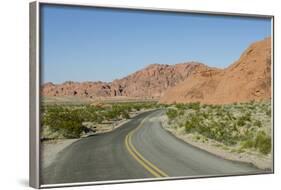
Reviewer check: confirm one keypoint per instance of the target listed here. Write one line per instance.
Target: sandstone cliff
(249, 78)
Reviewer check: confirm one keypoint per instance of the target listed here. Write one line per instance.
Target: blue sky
(95, 44)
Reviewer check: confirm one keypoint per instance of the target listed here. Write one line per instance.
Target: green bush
(263, 143)
(188, 126)
(67, 122)
(194, 106)
(125, 115)
(172, 113)
(268, 112)
(181, 112)
(258, 123)
(247, 116)
(229, 115)
(192, 123)
(228, 124)
(241, 122)
(180, 106)
(248, 144)
(243, 119)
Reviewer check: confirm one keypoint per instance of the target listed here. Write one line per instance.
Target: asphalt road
(139, 149)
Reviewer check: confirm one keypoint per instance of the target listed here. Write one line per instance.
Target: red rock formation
(247, 79)
(69, 88)
(154, 80)
(150, 82)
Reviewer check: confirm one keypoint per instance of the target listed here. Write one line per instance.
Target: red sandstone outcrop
(247, 79)
(150, 82)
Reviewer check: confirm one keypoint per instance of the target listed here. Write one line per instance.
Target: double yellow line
(139, 158)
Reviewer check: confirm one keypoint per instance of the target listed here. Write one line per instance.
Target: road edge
(265, 169)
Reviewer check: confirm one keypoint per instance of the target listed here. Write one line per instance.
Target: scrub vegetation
(239, 127)
(72, 121)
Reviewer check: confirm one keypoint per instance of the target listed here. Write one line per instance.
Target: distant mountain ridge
(150, 82)
(249, 78)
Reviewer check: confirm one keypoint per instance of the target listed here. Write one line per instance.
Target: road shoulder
(50, 150)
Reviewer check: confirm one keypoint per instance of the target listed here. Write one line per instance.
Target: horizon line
(148, 65)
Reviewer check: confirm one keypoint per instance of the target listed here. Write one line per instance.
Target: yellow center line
(140, 161)
(155, 171)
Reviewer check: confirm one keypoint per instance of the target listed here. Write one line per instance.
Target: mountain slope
(150, 82)
(247, 79)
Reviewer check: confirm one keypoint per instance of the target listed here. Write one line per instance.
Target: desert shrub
(137, 107)
(180, 106)
(248, 144)
(241, 122)
(204, 105)
(268, 112)
(258, 123)
(172, 113)
(194, 106)
(65, 121)
(112, 114)
(192, 123)
(205, 115)
(181, 112)
(188, 126)
(247, 116)
(219, 112)
(263, 142)
(229, 115)
(125, 115)
(243, 119)
(228, 124)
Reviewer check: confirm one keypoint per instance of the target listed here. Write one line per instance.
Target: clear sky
(91, 44)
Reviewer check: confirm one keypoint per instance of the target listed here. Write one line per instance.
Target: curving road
(139, 149)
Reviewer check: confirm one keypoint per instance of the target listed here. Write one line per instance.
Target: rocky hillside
(249, 78)
(150, 82)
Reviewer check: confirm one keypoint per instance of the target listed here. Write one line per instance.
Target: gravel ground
(50, 149)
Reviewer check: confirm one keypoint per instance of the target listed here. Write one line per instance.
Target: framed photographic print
(130, 94)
